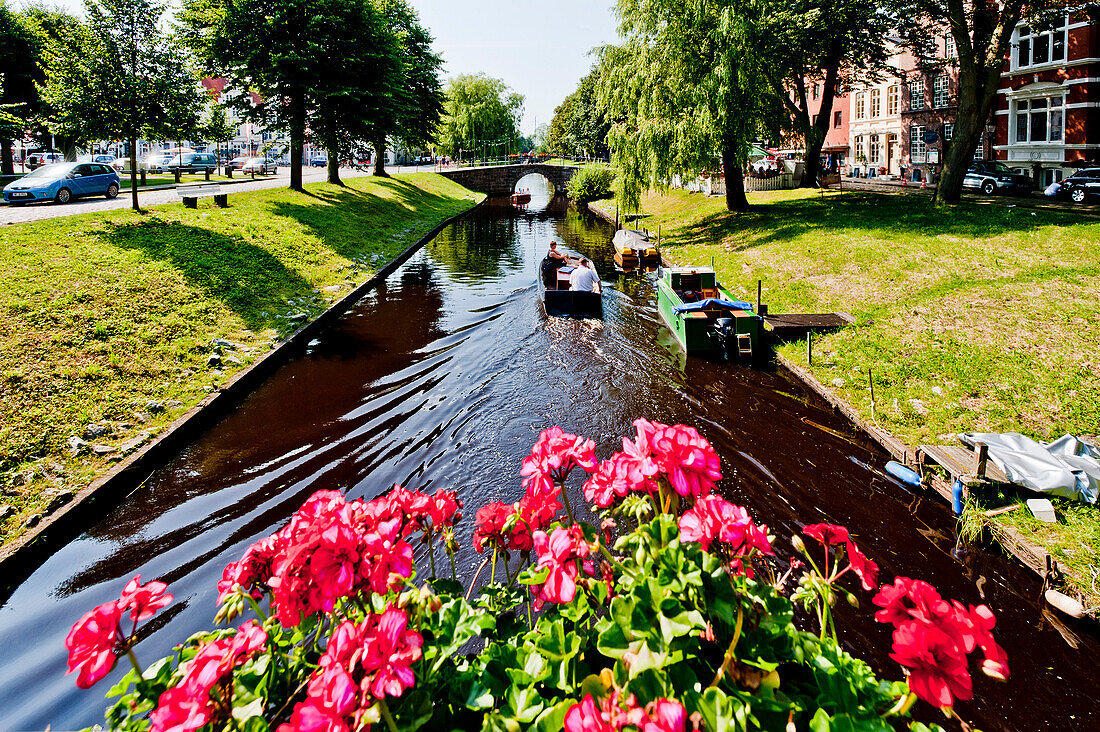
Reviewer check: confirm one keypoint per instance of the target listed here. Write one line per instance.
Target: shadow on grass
(247, 278)
(887, 217)
(354, 218)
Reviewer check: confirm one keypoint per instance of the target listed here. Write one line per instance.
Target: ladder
(744, 345)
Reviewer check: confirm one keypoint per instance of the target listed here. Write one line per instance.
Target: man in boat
(584, 278)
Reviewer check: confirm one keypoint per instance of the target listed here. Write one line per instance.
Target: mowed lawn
(977, 318)
(103, 313)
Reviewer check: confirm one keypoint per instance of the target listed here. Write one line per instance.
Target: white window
(950, 48)
(859, 148)
(916, 144)
(1040, 46)
(876, 103)
(1050, 175)
(873, 150)
(817, 90)
(892, 100)
(979, 151)
(1039, 120)
(948, 132)
(916, 94)
(941, 96)
(861, 105)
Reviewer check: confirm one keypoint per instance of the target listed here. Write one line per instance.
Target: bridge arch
(501, 180)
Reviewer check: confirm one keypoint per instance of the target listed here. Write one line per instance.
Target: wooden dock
(789, 326)
(960, 461)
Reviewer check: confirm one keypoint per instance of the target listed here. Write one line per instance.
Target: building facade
(1047, 113)
(836, 150)
(875, 130)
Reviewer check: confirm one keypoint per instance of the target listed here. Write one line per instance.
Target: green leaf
(553, 719)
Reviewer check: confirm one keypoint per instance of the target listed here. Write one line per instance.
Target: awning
(712, 302)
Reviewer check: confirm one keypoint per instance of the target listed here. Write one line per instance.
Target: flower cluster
(333, 548)
(553, 457)
(362, 664)
(188, 705)
(932, 638)
(612, 713)
(96, 640)
(678, 452)
(715, 520)
(831, 535)
(559, 553)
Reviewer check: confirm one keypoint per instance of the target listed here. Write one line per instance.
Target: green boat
(705, 318)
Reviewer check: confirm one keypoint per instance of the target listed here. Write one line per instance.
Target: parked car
(238, 162)
(151, 163)
(1077, 187)
(191, 163)
(63, 182)
(100, 158)
(991, 176)
(318, 161)
(263, 166)
(38, 159)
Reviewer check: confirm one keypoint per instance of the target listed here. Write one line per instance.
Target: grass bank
(981, 318)
(121, 321)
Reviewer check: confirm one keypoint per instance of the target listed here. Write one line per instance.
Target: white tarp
(1066, 467)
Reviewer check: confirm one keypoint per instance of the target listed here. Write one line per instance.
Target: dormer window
(1035, 47)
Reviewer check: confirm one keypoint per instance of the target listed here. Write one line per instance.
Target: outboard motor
(723, 332)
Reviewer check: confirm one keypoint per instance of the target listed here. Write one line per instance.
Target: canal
(443, 377)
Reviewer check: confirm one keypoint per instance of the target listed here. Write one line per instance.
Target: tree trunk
(380, 159)
(816, 140)
(7, 161)
(333, 163)
(133, 174)
(735, 181)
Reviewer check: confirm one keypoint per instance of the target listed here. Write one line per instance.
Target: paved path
(37, 211)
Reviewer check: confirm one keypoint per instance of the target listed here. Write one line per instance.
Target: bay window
(1036, 46)
(1039, 119)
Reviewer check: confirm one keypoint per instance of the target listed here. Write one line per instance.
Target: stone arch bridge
(500, 180)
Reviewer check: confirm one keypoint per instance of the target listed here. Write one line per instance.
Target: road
(38, 211)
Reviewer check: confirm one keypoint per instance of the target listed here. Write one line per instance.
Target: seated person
(584, 278)
(557, 258)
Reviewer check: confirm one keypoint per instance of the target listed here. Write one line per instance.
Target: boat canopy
(713, 302)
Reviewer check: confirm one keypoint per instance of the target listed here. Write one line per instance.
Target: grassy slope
(102, 313)
(987, 316)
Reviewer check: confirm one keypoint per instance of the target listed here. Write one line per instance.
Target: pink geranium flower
(553, 457)
(94, 642)
(489, 525)
(587, 716)
(936, 663)
(827, 534)
(685, 457)
(865, 569)
(559, 552)
(179, 710)
(143, 601)
(713, 520)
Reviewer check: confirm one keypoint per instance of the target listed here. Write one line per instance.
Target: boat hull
(565, 302)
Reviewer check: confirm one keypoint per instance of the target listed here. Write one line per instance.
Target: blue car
(62, 182)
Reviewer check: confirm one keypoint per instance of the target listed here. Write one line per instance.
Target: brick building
(1047, 113)
(835, 150)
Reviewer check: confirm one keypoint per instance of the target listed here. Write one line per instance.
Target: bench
(192, 193)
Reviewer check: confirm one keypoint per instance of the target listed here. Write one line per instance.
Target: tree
(821, 42)
(580, 122)
(684, 89)
(18, 73)
(479, 111)
(125, 79)
(53, 33)
(416, 103)
(983, 32)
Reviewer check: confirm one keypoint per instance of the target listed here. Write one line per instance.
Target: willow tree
(478, 108)
(685, 88)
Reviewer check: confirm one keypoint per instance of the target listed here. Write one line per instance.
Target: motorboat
(704, 317)
(558, 299)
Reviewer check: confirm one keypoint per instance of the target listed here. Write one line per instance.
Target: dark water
(443, 377)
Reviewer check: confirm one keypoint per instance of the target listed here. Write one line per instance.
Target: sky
(538, 47)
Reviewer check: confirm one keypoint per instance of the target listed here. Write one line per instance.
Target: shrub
(680, 621)
(590, 183)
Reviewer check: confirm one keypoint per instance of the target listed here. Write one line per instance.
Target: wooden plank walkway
(959, 461)
(794, 325)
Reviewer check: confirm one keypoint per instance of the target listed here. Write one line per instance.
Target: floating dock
(791, 326)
